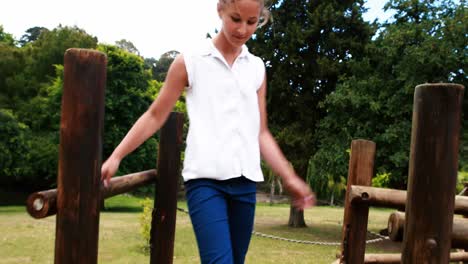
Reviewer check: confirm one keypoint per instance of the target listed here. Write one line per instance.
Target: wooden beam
(390, 198)
(44, 203)
(432, 173)
(360, 171)
(79, 173)
(382, 258)
(459, 234)
(396, 258)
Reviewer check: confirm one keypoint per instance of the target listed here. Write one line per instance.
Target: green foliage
(375, 99)
(43, 159)
(461, 180)
(31, 79)
(160, 67)
(48, 50)
(145, 221)
(129, 91)
(31, 35)
(381, 180)
(6, 38)
(13, 146)
(127, 46)
(305, 48)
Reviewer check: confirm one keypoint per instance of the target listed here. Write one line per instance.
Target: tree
(6, 38)
(127, 46)
(375, 100)
(13, 146)
(32, 34)
(129, 93)
(306, 48)
(12, 61)
(49, 48)
(161, 66)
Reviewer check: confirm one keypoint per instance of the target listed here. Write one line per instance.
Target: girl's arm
(302, 195)
(152, 120)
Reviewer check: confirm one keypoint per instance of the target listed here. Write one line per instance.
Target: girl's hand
(108, 169)
(302, 195)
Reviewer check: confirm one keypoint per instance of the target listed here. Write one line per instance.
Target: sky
(154, 27)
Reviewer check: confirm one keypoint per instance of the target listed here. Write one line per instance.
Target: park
(76, 201)
(382, 143)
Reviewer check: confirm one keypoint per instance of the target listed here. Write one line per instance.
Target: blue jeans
(222, 214)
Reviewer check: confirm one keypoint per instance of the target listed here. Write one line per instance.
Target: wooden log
(378, 197)
(165, 203)
(382, 258)
(360, 171)
(390, 198)
(79, 173)
(44, 203)
(396, 258)
(459, 235)
(433, 172)
(396, 225)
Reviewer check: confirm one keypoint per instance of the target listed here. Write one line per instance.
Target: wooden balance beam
(44, 203)
(396, 225)
(390, 198)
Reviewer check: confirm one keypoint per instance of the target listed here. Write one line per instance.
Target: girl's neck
(226, 49)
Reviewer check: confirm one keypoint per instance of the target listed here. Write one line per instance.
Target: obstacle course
(430, 201)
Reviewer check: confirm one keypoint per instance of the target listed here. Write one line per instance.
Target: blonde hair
(264, 14)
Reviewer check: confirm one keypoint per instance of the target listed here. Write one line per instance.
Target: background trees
(30, 101)
(332, 77)
(375, 99)
(306, 48)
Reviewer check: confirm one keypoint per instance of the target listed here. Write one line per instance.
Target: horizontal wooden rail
(390, 198)
(396, 225)
(44, 203)
(396, 258)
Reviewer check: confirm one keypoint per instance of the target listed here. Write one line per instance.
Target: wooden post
(165, 202)
(360, 171)
(432, 173)
(79, 172)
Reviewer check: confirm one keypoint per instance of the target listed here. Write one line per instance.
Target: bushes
(145, 222)
(14, 147)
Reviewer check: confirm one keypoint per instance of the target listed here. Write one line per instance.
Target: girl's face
(240, 20)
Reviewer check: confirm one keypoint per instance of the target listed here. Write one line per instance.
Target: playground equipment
(430, 202)
(79, 194)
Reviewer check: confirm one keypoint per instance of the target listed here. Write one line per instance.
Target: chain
(183, 210)
(296, 240)
(375, 240)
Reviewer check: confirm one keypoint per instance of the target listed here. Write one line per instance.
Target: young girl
(228, 131)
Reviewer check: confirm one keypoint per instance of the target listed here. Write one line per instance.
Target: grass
(27, 240)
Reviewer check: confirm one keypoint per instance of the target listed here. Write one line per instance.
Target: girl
(228, 131)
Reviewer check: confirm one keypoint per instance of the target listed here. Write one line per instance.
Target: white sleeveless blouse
(224, 118)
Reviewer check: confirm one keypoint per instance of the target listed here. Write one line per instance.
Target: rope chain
(259, 234)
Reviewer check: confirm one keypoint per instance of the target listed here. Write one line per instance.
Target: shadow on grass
(122, 209)
(11, 198)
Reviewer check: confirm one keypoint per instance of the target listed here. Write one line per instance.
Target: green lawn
(27, 240)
